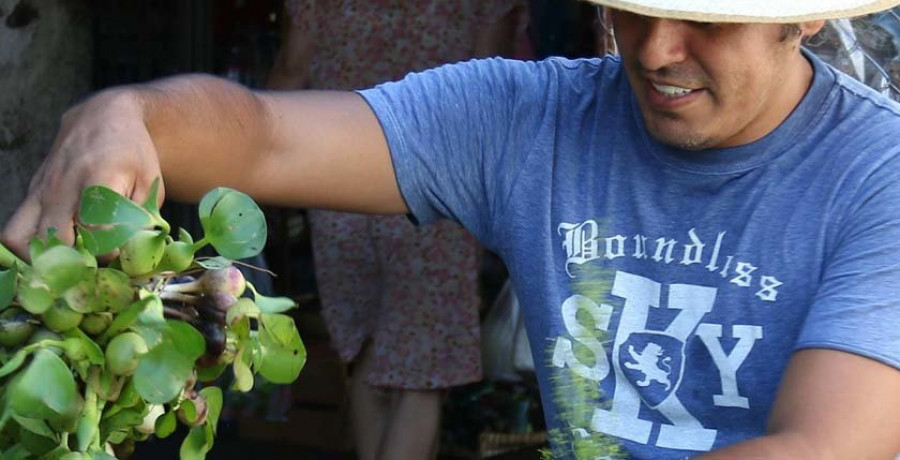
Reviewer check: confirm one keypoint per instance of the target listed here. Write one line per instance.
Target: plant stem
(176, 313)
(10, 260)
(88, 433)
(200, 244)
(177, 296)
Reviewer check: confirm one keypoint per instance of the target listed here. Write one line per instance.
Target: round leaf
(162, 373)
(46, 389)
(165, 425)
(34, 295)
(189, 341)
(109, 219)
(61, 267)
(233, 223)
(283, 353)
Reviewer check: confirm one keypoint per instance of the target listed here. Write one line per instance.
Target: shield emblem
(653, 362)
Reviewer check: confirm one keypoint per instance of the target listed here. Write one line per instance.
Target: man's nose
(664, 43)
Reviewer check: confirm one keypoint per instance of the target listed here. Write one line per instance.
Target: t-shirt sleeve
(459, 134)
(857, 308)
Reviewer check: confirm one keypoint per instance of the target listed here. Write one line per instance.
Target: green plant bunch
(96, 357)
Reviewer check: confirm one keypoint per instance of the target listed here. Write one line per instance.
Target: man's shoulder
(858, 96)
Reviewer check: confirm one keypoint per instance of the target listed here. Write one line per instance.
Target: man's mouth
(671, 91)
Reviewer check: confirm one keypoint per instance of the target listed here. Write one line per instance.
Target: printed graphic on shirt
(648, 366)
(583, 243)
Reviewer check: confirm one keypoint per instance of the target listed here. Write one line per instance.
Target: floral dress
(411, 291)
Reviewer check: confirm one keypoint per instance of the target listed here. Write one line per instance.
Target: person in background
(401, 302)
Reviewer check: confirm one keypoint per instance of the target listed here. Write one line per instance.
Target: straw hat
(774, 11)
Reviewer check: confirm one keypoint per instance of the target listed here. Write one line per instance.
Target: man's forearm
(207, 132)
(773, 446)
(298, 149)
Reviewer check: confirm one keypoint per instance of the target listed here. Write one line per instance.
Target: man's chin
(682, 140)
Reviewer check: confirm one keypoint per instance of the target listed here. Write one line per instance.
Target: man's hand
(102, 141)
(296, 149)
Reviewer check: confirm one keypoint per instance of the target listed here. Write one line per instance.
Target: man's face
(704, 85)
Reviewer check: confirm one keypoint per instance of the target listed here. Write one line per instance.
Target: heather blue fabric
(676, 283)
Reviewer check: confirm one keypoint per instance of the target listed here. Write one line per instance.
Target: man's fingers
(22, 226)
(61, 217)
(141, 191)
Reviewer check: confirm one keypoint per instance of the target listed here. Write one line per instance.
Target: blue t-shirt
(663, 290)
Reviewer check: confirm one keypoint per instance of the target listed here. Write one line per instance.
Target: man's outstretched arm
(309, 149)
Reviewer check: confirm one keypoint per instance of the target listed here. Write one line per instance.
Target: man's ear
(808, 29)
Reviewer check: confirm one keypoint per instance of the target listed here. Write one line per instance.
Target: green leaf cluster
(95, 358)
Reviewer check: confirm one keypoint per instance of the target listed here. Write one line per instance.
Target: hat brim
(750, 11)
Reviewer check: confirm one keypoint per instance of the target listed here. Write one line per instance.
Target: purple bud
(228, 280)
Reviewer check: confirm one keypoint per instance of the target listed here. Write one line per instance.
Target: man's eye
(701, 25)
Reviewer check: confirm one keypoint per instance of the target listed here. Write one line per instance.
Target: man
(703, 234)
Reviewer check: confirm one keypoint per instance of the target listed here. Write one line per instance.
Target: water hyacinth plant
(94, 358)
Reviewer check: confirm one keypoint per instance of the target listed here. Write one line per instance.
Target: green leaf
(16, 452)
(165, 425)
(45, 389)
(82, 297)
(187, 339)
(243, 308)
(232, 223)
(154, 312)
(195, 445)
(126, 418)
(243, 376)
(153, 198)
(213, 263)
(128, 397)
(164, 370)
(92, 350)
(8, 282)
(118, 437)
(14, 363)
(185, 236)
(101, 455)
(109, 219)
(214, 402)
(188, 412)
(34, 295)
(10, 260)
(34, 425)
(208, 374)
(60, 268)
(114, 289)
(126, 318)
(283, 354)
(37, 444)
(273, 304)
(38, 245)
(57, 453)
